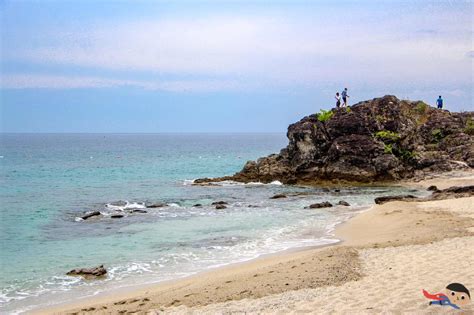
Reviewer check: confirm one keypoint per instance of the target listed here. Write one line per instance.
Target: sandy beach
(388, 254)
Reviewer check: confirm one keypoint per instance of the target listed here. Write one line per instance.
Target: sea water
(49, 181)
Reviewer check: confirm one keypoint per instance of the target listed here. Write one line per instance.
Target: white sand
(394, 278)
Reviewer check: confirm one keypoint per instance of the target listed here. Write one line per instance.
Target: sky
(223, 66)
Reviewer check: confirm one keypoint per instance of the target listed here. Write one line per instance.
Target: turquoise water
(49, 180)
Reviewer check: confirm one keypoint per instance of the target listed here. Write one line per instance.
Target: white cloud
(67, 82)
(412, 47)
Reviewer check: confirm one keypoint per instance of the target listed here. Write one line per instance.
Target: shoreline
(283, 271)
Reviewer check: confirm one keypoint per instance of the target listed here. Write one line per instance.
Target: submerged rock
(96, 272)
(117, 216)
(278, 196)
(157, 205)
(90, 215)
(382, 139)
(219, 203)
(343, 203)
(197, 205)
(138, 211)
(220, 207)
(325, 204)
(384, 199)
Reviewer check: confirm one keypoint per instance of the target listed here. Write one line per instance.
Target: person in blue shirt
(439, 102)
(344, 97)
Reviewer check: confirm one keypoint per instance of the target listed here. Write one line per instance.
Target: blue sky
(222, 66)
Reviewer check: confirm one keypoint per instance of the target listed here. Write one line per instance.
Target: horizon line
(148, 133)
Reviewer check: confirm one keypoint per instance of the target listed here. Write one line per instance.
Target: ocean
(48, 181)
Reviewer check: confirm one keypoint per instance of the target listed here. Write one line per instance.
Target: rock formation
(383, 139)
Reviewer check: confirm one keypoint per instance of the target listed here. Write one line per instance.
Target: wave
(188, 182)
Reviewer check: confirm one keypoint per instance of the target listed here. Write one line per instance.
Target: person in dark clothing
(338, 100)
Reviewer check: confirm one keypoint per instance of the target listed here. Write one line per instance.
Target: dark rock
(96, 272)
(220, 206)
(117, 216)
(219, 203)
(324, 204)
(90, 215)
(453, 192)
(381, 200)
(156, 205)
(278, 196)
(383, 139)
(343, 203)
(197, 205)
(337, 190)
(432, 188)
(138, 211)
(253, 206)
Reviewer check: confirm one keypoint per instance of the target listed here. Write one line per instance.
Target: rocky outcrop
(92, 273)
(383, 139)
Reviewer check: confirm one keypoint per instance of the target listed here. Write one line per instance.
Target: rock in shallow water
(138, 211)
(156, 205)
(90, 215)
(384, 199)
(325, 204)
(117, 216)
(432, 188)
(219, 203)
(278, 196)
(91, 273)
(220, 207)
(343, 203)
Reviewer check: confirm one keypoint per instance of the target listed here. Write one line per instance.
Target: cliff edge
(383, 139)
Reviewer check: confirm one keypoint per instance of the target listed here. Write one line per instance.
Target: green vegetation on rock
(421, 108)
(325, 115)
(379, 118)
(437, 134)
(387, 148)
(469, 127)
(406, 154)
(387, 135)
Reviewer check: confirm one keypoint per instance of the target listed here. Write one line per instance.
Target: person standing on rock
(338, 100)
(344, 97)
(439, 102)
